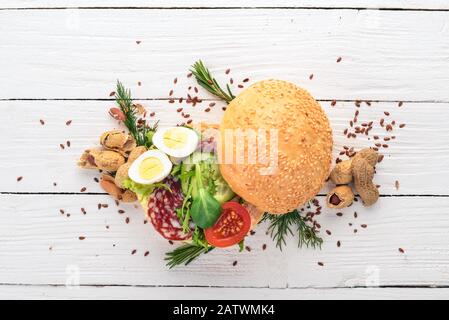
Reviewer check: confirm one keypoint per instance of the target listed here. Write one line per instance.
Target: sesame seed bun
(304, 146)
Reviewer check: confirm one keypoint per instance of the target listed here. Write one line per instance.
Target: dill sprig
(205, 79)
(283, 225)
(185, 254)
(137, 127)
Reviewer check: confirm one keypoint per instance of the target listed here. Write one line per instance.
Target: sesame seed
(42, 122)
(81, 237)
(68, 122)
(19, 178)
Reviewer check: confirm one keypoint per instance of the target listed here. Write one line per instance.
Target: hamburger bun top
(304, 146)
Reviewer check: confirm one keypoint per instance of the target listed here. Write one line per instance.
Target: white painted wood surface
(178, 293)
(387, 55)
(361, 4)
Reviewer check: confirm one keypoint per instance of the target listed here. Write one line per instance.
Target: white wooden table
(59, 60)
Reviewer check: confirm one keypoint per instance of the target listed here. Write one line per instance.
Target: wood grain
(39, 245)
(386, 55)
(175, 293)
(401, 4)
(416, 158)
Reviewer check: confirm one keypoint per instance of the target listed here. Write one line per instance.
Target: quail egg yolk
(150, 168)
(175, 139)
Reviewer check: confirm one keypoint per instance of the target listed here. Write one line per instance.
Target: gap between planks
(217, 100)
(229, 8)
(94, 285)
(318, 195)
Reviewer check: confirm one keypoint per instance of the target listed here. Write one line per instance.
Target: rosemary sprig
(205, 79)
(281, 226)
(185, 254)
(137, 127)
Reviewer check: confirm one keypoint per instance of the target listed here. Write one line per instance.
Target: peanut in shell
(340, 197)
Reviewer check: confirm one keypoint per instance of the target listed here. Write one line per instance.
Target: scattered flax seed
(121, 211)
(83, 189)
(245, 80)
(338, 59)
(189, 121)
(139, 83)
(81, 237)
(364, 226)
(211, 104)
(61, 146)
(99, 206)
(146, 253)
(264, 246)
(68, 215)
(400, 103)
(179, 110)
(240, 86)
(234, 263)
(339, 214)
(152, 114)
(333, 103)
(127, 220)
(96, 179)
(19, 178)
(224, 108)
(248, 249)
(61, 211)
(189, 74)
(104, 205)
(401, 250)
(227, 71)
(355, 215)
(380, 158)
(138, 41)
(175, 81)
(42, 122)
(231, 81)
(396, 184)
(207, 109)
(311, 77)
(402, 125)
(68, 143)
(321, 264)
(112, 93)
(355, 230)
(83, 211)
(252, 232)
(68, 122)
(117, 202)
(170, 93)
(134, 251)
(328, 232)
(339, 243)
(386, 113)
(55, 184)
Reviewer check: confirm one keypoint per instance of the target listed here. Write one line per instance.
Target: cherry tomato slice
(231, 227)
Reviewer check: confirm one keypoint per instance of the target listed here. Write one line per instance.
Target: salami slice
(161, 210)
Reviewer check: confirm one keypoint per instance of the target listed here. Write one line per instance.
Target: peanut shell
(344, 194)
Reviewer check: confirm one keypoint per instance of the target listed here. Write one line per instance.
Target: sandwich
(208, 186)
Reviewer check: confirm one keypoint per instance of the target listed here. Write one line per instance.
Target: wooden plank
(386, 55)
(404, 4)
(31, 224)
(169, 293)
(416, 158)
